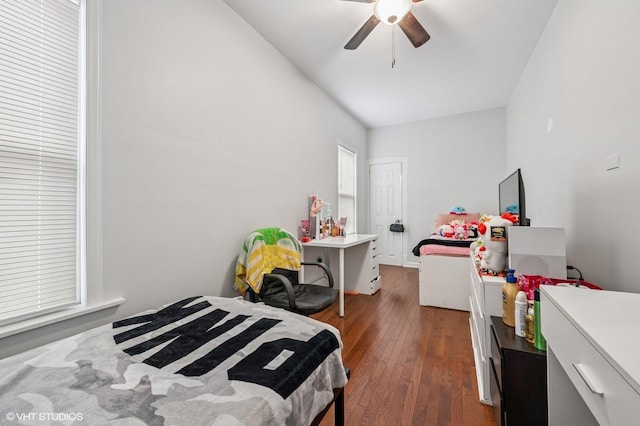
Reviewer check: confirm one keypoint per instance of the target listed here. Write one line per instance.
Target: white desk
(592, 356)
(340, 243)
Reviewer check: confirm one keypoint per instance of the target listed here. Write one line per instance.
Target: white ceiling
(477, 51)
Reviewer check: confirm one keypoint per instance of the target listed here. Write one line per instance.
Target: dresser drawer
(376, 283)
(610, 398)
(373, 252)
(478, 328)
(475, 277)
(475, 342)
(496, 358)
(374, 271)
(373, 259)
(373, 246)
(497, 398)
(477, 295)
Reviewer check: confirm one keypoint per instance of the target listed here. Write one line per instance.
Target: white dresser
(593, 356)
(485, 300)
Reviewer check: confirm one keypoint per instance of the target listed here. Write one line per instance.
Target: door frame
(404, 162)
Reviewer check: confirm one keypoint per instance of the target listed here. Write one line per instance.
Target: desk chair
(267, 269)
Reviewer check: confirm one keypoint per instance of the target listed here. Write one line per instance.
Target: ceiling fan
(391, 12)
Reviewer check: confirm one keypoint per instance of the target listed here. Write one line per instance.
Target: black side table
(518, 379)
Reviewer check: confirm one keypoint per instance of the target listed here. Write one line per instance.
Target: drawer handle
(583, 371)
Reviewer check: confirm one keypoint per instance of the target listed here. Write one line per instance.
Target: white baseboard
(409, 265)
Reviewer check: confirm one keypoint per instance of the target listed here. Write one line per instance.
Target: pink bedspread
(444, 250)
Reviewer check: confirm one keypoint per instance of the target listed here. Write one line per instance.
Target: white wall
(455, 160)
(208, 133)
(584, 76)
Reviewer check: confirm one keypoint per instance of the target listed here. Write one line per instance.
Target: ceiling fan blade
(415, 1)
(362, 33)
(415, 32)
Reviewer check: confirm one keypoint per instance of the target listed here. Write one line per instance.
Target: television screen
(511, 196)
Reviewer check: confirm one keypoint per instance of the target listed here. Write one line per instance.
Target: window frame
(89, 229)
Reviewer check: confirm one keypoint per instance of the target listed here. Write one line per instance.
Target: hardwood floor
(410, 364)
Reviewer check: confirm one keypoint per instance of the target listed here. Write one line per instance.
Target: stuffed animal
(484, 218)
(460, 231)
(472, 230)
(513, 209)
(513, 218)
(457, 210)
(445, 230)
(478, 250)
(493, 235)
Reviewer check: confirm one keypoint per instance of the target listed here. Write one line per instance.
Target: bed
(199, 361)
(444, 266)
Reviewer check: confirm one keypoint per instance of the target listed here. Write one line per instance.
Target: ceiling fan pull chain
(393, 46)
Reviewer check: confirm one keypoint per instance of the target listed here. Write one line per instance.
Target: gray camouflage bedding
(200, 361)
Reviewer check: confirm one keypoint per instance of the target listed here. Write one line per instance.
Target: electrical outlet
(613, 161)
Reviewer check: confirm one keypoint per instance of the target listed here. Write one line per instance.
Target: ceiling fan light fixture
(391, 11)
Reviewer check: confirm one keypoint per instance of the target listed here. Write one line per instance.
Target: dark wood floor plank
(410, 364)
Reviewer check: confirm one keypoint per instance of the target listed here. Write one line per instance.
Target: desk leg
(327, 257)
(301, 274)
(341, 278)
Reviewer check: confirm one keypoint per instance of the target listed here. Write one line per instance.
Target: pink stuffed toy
(460, 231)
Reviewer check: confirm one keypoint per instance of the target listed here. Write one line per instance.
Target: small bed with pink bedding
(444, 266)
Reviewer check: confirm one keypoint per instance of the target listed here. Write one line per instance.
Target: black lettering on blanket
(187, 338)
(159, 319)
(306, 357)
(228, 348)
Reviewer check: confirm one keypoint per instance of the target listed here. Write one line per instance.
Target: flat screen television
(511, 197)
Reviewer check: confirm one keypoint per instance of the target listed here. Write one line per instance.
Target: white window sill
(33, 323)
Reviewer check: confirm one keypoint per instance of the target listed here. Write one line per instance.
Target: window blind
(347, 187)
(39, 146)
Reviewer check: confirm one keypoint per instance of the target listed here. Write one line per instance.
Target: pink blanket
(444, 250)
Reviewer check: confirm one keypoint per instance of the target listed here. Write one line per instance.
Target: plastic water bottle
(521, 313)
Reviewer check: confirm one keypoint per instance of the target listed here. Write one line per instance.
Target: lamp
(391, 11)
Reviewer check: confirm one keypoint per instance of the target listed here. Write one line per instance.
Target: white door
(385, 197)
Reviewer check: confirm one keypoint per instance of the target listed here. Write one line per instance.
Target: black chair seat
(309, 298)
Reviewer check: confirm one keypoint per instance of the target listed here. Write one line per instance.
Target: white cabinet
(363, 272)
(443, 282)
(592, 356)
(485, 300)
